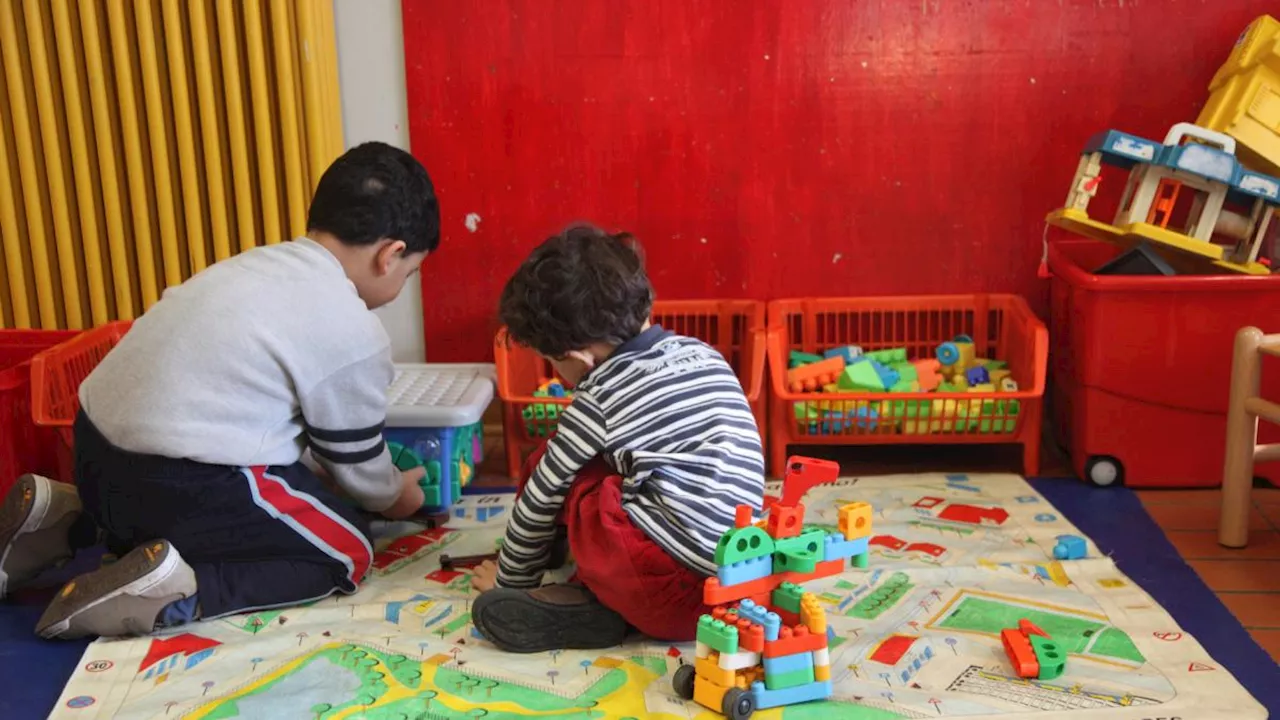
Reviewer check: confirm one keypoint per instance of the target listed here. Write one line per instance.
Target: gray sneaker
(123, 598)
(35, 517)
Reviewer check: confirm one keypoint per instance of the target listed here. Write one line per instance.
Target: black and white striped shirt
(668, 414)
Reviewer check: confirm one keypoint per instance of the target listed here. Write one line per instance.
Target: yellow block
(709, 668)
(854, 520)
(821, 672)
(1244, 97)
(997, 375)
(982, 387)
(812, 615)
(708, 694)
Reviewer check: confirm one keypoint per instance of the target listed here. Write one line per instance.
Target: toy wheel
(738, 704)
(1104, 470)
(948, 353)
(683, 681)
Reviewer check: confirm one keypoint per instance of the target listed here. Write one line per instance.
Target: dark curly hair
(581, 287)
(375, 191)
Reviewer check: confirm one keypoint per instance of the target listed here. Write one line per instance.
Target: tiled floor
(1246, 580)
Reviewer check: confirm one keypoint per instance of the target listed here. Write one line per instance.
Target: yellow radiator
(142, 140)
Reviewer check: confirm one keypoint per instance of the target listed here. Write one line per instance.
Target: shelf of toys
(958, 369)
(532, 397)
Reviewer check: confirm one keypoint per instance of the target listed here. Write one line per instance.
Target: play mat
(955, 559)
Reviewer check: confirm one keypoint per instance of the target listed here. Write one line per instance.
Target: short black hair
(375, 191)
(581, 287)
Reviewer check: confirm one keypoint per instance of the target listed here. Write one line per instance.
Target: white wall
(371, 73)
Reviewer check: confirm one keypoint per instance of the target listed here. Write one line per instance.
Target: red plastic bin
(1141, 367)
(1003, 327)
(24, 447)
(734, 327)
(56, 375)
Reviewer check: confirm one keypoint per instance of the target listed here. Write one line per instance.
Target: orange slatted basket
(56, 375)
(734, 327)
(1003, 328)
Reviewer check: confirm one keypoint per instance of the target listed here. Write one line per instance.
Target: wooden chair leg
(1242, 438)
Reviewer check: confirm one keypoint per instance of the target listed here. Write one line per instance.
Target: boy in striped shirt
(651, 458)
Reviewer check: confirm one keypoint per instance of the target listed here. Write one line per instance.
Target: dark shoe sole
(135, 573)
(518, 623)
(24, 510)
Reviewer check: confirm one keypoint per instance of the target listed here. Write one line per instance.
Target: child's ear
(388, 253)
(587, 359)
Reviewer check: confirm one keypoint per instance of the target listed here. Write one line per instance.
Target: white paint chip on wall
(472, 221)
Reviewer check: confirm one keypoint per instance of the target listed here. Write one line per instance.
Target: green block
(717, 635)
(947, 387)
(402, 457)
(787, 597)
(906, 371)
(994, 364)
(799, 554)
(795, 678)
(797, 358)
(860, 376)
(890, 356)
(1051, 658)
(805, 412)
(740, 544)
(808, 541)
(902, 386)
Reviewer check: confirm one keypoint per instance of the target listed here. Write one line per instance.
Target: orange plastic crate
(1002, 326)
(23, 446)
(734, 327)
(56, 375)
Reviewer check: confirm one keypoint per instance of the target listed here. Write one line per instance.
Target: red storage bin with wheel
(1140, 367)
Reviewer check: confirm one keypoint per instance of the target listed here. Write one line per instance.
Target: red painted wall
(773, 148)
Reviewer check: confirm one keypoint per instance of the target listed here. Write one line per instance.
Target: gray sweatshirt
(248, 363)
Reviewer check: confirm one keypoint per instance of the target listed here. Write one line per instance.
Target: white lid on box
(439, 394)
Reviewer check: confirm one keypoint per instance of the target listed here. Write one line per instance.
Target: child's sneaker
(552, 617)
(35, 520)
(123, 598)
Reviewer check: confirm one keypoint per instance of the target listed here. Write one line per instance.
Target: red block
(794, 640)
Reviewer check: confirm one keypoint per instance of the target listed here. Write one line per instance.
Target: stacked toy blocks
(765, 642)
(1032, 652)
(541, 418)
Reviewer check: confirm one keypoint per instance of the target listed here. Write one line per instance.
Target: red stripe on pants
(619, 564)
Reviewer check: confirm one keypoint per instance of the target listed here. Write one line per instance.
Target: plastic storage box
(734, 327)
(1141, 367)
(24, 447)
(434, 419)
(1002, 327)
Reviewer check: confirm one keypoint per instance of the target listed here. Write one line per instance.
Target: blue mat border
(33, 672)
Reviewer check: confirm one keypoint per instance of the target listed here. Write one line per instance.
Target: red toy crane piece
(802, 475)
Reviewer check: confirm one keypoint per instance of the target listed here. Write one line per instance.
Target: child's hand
(411, 497)
(485, 576)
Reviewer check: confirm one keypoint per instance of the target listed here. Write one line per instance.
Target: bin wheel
(682, 682)
(738, 704)
(1104, 470)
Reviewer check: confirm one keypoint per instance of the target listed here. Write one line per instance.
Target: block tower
(765, 642)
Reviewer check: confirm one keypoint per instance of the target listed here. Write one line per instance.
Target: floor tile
(1271, 513)
(1179, 497)
(1266, 496)
(1203, 545)
(1200, 516)
(1269, 640)
(1239, 575)
(1253, 610)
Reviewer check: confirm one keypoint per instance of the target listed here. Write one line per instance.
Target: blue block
(850, 353)
(888, 376)
(977, 375)
(745, 571)
(760, 615)
(555, 390)
(1070, 547)
(788, 663)
(868, 418)
(837, 548)
(766, 698)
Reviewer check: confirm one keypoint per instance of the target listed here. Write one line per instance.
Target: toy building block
(977, 375)
(717, 634)
(750, 637)
(956, 353)
(812, 615)
(1008, 384)
(794, 678)
(993, 365)
(793, 640)
(888, 356)
(808, 542)
(784, 522)
(960, 381)
(760, 615)
(740, 660)
(1028, 628)
(781, 664)
(822, 673)
(850, 353)
(701, 649)
(809, 378)
(1070, 547)
(928, 373)
(787, 597)
(839, 548)
(982, 388)
(854, 520)
(796, 359)
(1018, 648)
(766, 698)
(744, 543)
(745, 571)
(822, 657)
(803, 474)
(1051, 659)
(708, 668)
(708, 694)
(861, 376)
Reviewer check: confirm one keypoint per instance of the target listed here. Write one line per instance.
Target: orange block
(795, 640)
(928, 374)
(1021, 656)
(750, 637)
(785, 521)
(821, 672)
(1029, 628)
(811, 378)
(708, 668)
